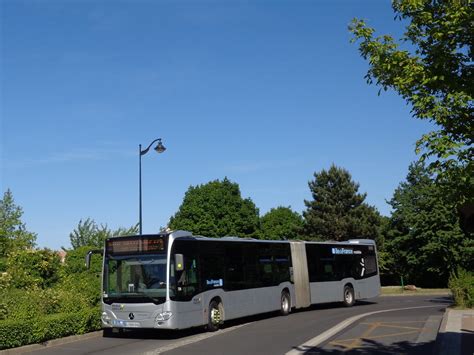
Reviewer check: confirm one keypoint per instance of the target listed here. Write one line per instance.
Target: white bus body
(177, 280)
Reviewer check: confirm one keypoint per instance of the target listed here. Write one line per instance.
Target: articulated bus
(176, 280)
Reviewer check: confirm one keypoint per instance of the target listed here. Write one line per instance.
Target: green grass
(398, 291)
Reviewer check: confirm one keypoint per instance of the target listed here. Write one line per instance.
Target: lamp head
(160, 148)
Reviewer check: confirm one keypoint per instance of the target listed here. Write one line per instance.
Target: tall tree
(338, 211)
(89, 233)
(217, 209)
(13, 233)
(280, 223)
(434, 74)
(425, 241)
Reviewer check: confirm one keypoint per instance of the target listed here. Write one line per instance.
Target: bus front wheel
(111, 332)
(349, 297)
(285, 303)
(215, 316)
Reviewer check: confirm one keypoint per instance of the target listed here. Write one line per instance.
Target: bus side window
(265, 270)
(370, 262)
(234, 273)
(250, 265)
(370, 265)
(212, 265)
(282, 263)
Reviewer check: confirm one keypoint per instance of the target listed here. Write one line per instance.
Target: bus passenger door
(188, 293)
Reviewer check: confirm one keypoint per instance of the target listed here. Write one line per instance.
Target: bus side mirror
(179, 262)
(89, 255)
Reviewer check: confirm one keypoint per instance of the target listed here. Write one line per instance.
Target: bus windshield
(137, 278)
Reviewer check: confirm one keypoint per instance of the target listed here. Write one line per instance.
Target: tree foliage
(425, 241)
(434, 74)
(337, 211)
(89, 233)
(217, 209)
(33, 268)
(13, 233)
(74, 262)
(280, 223)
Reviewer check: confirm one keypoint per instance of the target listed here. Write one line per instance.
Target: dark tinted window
(212, 255)
(369, 261)
(252, 265)
(282, 262)
(234, 267)
(229, 265)
(334, 262)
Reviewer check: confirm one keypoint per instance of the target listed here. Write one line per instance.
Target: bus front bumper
(132, 317)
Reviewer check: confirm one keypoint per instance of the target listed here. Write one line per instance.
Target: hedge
(15, 333)
(462, 287)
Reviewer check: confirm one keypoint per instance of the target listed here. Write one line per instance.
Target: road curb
(50, 343)
(441, 331)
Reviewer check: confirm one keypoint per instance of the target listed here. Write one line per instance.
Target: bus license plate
(122, 323)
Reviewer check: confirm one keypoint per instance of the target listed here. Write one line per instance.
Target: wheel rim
(215, 316)
(285, 304)
(348, 296)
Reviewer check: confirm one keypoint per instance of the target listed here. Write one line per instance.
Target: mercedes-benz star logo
(131, 316)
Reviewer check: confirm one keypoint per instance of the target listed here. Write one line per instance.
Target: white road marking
(192, 339)
(303, 348)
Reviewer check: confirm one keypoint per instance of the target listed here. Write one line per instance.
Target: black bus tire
(215, 316)
(348, 296)
(108, 333)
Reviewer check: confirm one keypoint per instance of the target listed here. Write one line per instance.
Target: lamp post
(160, 148)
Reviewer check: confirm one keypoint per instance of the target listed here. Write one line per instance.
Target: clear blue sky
(263, 92)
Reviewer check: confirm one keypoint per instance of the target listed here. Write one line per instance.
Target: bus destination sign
(135, 245)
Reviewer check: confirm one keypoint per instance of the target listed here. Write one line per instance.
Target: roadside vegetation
(428, 240)
(41, 296)
(462, 287)
(398, 290)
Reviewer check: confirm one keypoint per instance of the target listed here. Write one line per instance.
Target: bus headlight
(105, 318)
(163, 316)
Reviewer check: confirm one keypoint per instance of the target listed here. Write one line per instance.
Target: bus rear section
(343, 271)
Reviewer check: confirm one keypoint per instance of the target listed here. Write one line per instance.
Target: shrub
(462, 287)
(75, 262)
(73, 294)
(29, 268)
(78, 291)
(15, 333)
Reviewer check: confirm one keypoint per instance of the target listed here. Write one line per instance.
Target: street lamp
(160, 148)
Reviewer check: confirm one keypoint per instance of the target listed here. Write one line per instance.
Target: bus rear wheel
(349, 297)
(285, 303)
(215, 316)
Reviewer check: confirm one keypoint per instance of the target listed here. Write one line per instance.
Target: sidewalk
(456, 333)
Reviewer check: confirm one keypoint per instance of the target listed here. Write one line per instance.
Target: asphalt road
(411, 331)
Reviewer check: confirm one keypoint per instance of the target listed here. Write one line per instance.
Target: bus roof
(181, 234)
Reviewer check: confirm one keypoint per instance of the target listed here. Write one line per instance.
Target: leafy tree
(89, 233)
(13, 233)
(425, 240)
(30, 268)
(434, 74)
(337, 211)
(216, 209)
(280, 223)
(74, 262)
